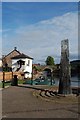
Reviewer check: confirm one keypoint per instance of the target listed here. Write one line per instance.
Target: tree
(49, 60)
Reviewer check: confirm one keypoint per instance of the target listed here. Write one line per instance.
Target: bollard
(14, 81)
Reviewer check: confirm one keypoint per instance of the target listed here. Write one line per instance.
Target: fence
(7, 76)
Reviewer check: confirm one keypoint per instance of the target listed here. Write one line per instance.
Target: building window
(28, 63)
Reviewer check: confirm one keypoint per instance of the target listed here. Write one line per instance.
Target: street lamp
(51, 76)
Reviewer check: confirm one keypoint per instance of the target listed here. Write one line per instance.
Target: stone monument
(64, 83)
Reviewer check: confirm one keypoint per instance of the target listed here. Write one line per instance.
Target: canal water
(75, 81)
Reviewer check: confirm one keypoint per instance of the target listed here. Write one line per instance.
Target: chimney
(15, 48)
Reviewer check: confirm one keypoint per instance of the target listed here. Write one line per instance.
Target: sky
(37, 28)
(0, 30)
(40, 0)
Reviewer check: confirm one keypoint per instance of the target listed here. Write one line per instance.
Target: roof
(21, 56)
(36, 64)
(12, 52)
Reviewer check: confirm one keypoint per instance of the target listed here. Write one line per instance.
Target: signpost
(64, 84)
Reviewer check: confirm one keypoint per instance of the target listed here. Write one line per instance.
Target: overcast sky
(37, 29)
(0, 30)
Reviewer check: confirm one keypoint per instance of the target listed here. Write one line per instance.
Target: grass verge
(8, 83)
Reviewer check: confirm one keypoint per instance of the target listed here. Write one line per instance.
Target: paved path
(19, 102)
(0, 104)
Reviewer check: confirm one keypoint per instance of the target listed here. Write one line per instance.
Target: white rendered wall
(27, 68)
(0, 63)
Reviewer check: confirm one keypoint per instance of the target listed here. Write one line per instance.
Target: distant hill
(76, 62)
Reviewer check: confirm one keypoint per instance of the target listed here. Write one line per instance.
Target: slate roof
(12, 52)
(21, 56)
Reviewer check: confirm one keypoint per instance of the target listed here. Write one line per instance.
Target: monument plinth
(65, 83)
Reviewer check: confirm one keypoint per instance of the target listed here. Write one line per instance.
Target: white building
(22, 63)
(0, 62)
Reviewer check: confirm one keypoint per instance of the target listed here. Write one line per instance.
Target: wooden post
(3, 80)
(64, 84)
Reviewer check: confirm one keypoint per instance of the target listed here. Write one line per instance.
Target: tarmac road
(0, 103)
(19, 102)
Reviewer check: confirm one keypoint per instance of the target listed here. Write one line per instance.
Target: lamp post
(32, 77)
(51, 77)
(3, 80)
